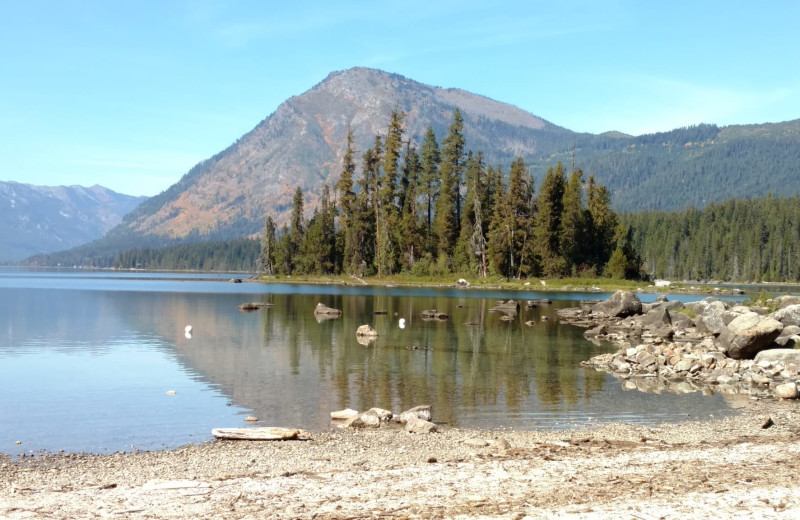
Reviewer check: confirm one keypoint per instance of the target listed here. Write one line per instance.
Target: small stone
(251, 418)
(476, 442)
(767, 423)
(501, 444)
(420, 426)
(343, 415)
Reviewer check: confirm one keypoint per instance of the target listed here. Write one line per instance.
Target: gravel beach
(743, 466)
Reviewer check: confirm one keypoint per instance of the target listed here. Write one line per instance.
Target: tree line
(439, 209)
(230, 255)
(736, 240)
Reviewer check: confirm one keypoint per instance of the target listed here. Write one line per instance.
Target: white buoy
(188, 328)
(402, 323)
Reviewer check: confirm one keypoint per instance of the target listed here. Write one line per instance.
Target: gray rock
(345, 414)
(420, 426)
(790, 330)
(748, 335)
(789, 315)
(327, 311)
(783, 355)
(787, 300)
(621, 304)
(418, 412)
(362, 420)
(600, 330)
(500, 444)
(380, 413)
(366, 331)
(656, 318)
(712, 320)
(786, 391)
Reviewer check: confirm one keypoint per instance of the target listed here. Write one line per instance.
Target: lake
(99, 361)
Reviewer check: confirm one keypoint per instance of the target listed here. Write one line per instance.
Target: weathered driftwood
(266, 433)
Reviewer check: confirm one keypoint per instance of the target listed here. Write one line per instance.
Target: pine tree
(573, 231)
(548, 222)
(387, 212)
(410, 238)
(602, 223)
(466, 258)
(448, 206)
(510, 233)
(347, 200)
(266, 259)
(429, 181)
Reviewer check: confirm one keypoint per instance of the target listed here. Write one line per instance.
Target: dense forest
(736, 240)
(229, 255)
(442, 210)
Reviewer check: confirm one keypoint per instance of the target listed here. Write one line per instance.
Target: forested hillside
(736, 240)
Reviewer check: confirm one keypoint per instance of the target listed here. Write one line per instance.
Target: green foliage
(736, 240)
(232, 255)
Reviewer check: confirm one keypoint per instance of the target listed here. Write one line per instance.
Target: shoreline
(720, 467)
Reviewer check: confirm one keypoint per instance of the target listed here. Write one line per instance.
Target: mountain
(39, 219)
(303, 141)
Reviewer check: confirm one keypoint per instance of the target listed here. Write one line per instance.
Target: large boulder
(621, 305)
(789, 315)
(657, 318)
(782, 355)
(712, 318)
(748, 335)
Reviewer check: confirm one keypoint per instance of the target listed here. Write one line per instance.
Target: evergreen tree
(573, 232)
(387, 212)
(347, 200)
(466, 259)
(410, 237)
(602, 223)
(429, 180)
(625, 261)
(448, 206)
(510, 234)
(266, 258)
(550, 207)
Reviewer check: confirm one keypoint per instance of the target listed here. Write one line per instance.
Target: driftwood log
(266, 433)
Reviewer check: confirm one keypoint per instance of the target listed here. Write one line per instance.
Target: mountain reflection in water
(103, 360)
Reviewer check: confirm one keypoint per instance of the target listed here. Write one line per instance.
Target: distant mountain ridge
(303, 141)
(40, 219)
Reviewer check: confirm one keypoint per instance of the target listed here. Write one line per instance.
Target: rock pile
(706, 345)
(416, 420)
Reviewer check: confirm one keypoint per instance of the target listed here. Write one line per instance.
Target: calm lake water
(87, 360)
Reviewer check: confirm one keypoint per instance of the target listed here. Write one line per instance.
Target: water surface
(87, 360)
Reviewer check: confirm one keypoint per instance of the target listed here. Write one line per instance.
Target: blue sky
(131, 95)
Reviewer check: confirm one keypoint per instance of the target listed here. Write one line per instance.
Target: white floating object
(188, 335)
(170, 392)
(402, 323)
(188, 329)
